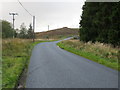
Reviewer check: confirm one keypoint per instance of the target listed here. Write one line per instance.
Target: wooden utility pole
(13, 21)
(48, 27)
(33, 28)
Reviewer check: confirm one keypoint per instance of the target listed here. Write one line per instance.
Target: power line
(24, 8)
(33, 20)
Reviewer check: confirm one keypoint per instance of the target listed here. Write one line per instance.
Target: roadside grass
(15, 57)
(0, 73)
(0, 63)
(101, 53)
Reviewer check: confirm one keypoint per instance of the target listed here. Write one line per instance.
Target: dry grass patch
(102, 53)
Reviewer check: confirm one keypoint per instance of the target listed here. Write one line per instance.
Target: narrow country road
(52, 67)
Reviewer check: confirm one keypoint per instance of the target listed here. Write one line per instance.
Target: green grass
(0, 73)
(90, 52)
(15, 57)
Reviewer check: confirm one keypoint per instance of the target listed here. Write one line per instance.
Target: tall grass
(15, 57)
(0, 63)
(102, 53)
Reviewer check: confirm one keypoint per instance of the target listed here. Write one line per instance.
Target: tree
(100, 22)
(87, 31)
(16, 33)
(30, 32)
(7, 31)
(23, 31)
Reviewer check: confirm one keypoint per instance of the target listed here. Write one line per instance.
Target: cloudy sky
(56, 14)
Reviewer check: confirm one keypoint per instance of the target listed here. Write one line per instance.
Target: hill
(57, 33)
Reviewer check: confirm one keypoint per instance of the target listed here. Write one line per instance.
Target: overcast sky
(55, 14)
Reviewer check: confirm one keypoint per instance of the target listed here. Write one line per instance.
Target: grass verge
(15, 57)
(101, 53)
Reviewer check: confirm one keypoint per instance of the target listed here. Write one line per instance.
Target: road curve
(52, 67)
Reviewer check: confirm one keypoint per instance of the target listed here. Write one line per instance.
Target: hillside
(57, 33)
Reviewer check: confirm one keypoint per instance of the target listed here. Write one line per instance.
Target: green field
(15, 58)
(98, 52)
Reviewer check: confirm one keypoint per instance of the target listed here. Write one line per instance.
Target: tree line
(8, 32)
(100, 21)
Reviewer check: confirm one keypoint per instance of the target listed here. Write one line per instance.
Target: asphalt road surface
(52, 67)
